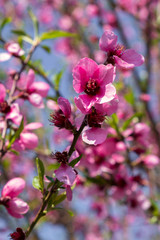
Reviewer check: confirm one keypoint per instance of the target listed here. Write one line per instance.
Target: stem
(76, 136)
(55, 187)
(40, 212)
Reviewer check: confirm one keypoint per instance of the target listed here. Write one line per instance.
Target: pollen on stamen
(92, 87)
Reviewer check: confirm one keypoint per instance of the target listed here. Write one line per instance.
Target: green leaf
(53, 166)
(71, 213)
(4, 23)
(130, 97)
(41, 171)
(46, 48)
(14, 151)
(36, 183)
(129, 120)
(75, 161)
(26, 39)
(60, 198)
(19, 32)
(16, 135)
(50, 179)
(56, 34)
(35, 22)
(57, 79)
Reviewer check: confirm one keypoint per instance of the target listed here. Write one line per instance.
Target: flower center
(59, 120)
(95, 120)
(4, 107)
(60, 157)
(92, 87)
(118, 51)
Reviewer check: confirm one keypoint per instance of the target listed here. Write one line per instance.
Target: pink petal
(106, 74)
(52, 105)
(79, 79)
(83, 71)
(94, 136)
(66, 174)
(33, 126)
(107, 108)
(13, 187)
(14, 48)
(65, 106)
(30, 140)
(17, 207)
(132, 57)
(41, 88)
(151, 161)
(2, 92)
(110, 93)
(79, 103)
(14, 114)
(69, 193)
(108, 41)
(123, 64)
(36, 100)
(88, 101)
(30, 78)
(4, 57)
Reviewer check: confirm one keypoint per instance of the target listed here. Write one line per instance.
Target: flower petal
(30, 78)
(88, 101)
(30, 140)
(79, 103)
(65, 106)
(94, 136)
(110, 93)
(132, 57)
(66, 174)
(123, 64)
(69, 193)
(33, 126)
(107, 108)
(17, 207)
(13, 187)
(4, 57)
(41, 88)
(82, 72)
(108, 41)
(36, 100)
(2, 92)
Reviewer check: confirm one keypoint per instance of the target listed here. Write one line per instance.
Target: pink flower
(11, 111)
(33, 91)
(67, 175)
(95, 81)
(117, 55)
(93, 133)
(27, 139)
(151, 161)
(62, 117)
(18, 235)
(12, 49)
(16, 207)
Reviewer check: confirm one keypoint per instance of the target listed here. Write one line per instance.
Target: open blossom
(16, 207)
(12, 111)
(67, 175)
(93, 133)
(27, 139)
(12, 49)
(117, 54)
(95, 81)
(31, 90)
